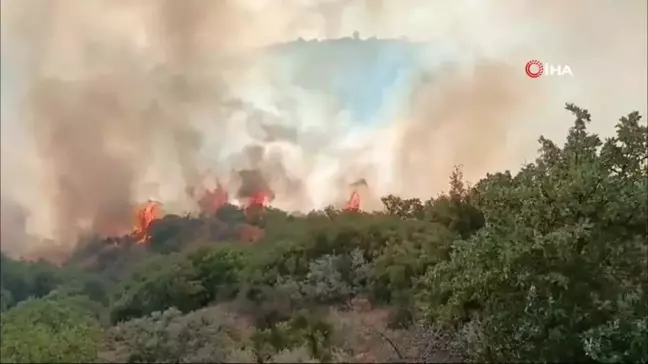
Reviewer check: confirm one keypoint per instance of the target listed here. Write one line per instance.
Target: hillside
(548, 264)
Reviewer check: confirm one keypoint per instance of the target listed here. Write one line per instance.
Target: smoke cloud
(106, 103)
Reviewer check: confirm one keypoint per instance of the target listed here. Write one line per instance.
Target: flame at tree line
(354, 202)
(212, 201)
(144, 217)
(325, 106)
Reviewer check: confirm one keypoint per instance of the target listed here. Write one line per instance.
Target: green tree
(203, 336)
(28, 279)
(6, 300)
(49, 331)
(559, 270)
(219, 269)
(159, 283)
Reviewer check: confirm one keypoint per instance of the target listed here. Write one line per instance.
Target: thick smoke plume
(106, 103)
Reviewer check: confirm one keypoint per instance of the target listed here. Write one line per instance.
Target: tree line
(546, 264)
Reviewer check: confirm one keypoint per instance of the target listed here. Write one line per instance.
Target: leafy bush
(160, 283)
(22, 280)
(49, 331)
(306, 329)
(204, 336)
(219, 270)
(6, 300)
(557, 272)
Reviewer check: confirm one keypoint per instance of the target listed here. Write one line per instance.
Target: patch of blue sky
(369, 79)
(368, 93)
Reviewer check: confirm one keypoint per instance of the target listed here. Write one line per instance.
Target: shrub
(557, 272)
(219, 269)
(204, 336)
(49, 331)
(160, 283)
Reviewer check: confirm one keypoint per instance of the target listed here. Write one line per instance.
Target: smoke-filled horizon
(107, 103)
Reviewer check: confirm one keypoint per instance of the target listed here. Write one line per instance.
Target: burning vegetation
(219, 217)
(341, 283)
(353, 204)
(213, 200)
(113, 94)
(145, 216)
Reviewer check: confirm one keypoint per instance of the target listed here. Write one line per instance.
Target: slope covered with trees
(547, 264)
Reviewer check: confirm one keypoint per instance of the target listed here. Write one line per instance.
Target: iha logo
(535, 69)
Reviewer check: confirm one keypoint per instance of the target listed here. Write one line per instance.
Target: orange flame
(144, 218)
(260, 198)
(212, 201)
(256, 203)
(354, 202)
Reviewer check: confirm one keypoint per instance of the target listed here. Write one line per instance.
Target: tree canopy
(545, 264)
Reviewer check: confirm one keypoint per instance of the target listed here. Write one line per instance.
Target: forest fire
(354, 202)
(213, 200)
(259, 198)
(256, 203)
(255, 200)
(144, 217)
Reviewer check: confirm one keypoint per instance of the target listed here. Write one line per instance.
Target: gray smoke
(106, 103)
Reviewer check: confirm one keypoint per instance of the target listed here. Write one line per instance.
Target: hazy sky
(107, 102)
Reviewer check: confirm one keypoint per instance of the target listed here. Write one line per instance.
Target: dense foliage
(50, 330)
(548, 264)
